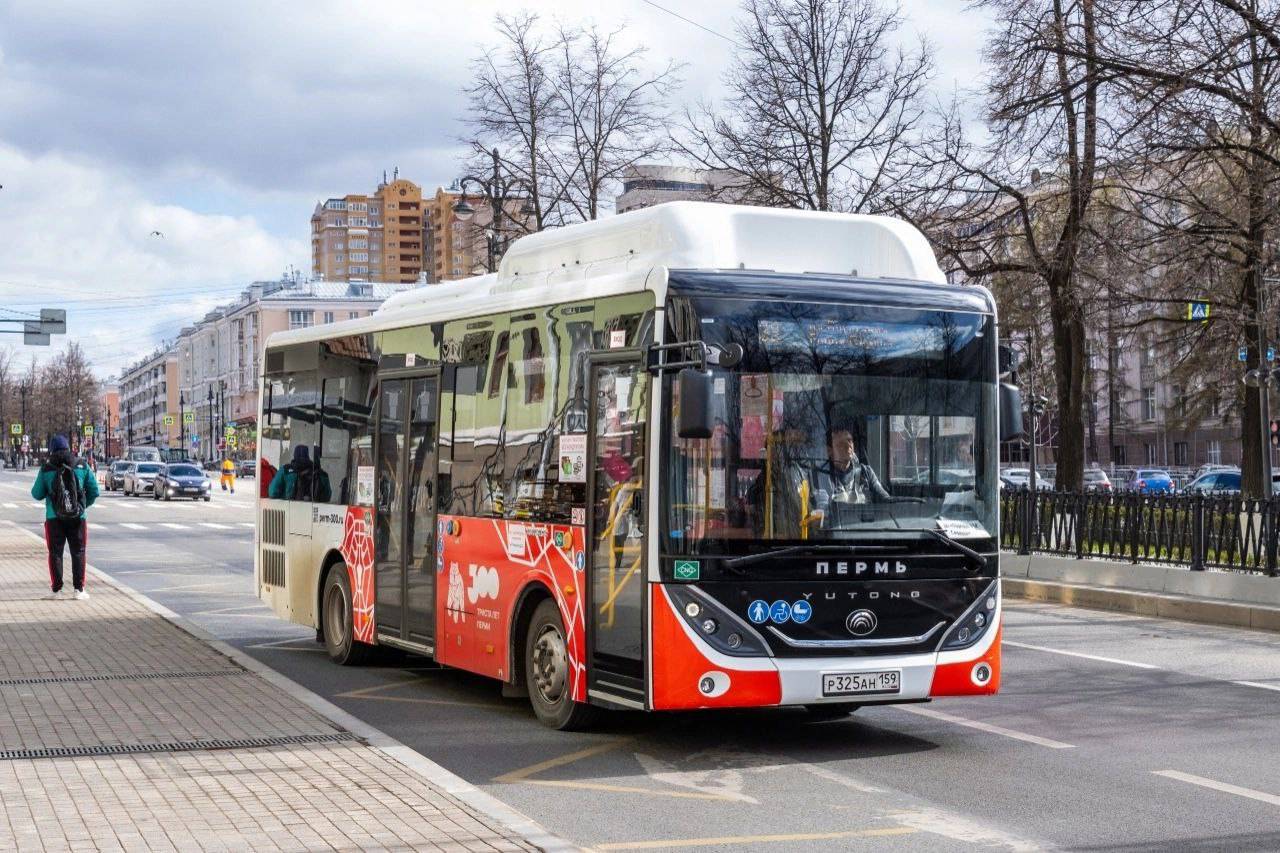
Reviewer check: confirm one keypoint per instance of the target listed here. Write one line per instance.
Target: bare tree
(615, 112)
(823, 110)
(992, 214)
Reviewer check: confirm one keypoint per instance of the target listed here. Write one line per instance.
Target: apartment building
(148, 393)
(647, 184)
(376, 237)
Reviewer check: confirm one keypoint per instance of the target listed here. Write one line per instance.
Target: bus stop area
(121, 729)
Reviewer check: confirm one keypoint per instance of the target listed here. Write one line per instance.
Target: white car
(1020, 478)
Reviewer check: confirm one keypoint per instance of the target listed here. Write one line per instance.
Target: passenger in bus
(300, 480)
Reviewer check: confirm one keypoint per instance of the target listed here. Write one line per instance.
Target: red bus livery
(694, 456)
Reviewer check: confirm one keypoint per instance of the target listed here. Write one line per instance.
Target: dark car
(1216, 483)
(247, 468)
(181, 480)
(115, 475)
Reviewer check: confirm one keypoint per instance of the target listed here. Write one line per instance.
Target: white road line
(986, 727)
(10, 506)
(1258, 684)
(215, 525)
(1080, 655)
(172, 526)
(245, 523)
(1249, 793)
(132, 526)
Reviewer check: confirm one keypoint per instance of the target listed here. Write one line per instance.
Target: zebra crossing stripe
(133, 526)
(172, 526)
(215, 525)
(10, 506)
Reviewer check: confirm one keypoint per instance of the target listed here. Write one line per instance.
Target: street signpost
(88, 429)
(15, 429)
(1198, 311)
(188, 417)
(1243, 354)
(168, 420)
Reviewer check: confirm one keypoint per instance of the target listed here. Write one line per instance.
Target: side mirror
(695, 403)
(1010, 412)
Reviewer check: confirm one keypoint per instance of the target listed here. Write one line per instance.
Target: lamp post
(208, 451)
(222, 408)
(496, 190)
(25, 390)
(182, 421)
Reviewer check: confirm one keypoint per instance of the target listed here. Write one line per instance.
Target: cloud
(80, 238)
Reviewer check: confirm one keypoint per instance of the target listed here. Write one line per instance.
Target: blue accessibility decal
(800, 612)
(758, 612)
(780, 612)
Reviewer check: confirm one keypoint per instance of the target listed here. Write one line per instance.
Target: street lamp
(208, 450)
(182, 421)
(496, 190)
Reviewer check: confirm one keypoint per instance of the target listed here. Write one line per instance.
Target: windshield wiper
(738, 562)
(979, 562)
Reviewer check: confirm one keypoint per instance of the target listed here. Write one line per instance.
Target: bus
(692, 456)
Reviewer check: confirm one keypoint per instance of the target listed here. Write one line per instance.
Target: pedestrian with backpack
(68, 488)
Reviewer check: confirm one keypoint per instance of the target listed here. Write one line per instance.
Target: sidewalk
(119, 730)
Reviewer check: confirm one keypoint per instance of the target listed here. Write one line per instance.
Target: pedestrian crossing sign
(168, 420)
(88, 429)
(230, 431)
(1198, 311)
(188, 417)
(15, 429)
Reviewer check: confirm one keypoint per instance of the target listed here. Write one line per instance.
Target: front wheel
(339, 637)
(547, 673)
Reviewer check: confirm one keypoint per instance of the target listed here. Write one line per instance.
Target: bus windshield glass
(839, 421)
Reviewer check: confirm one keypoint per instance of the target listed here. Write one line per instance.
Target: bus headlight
(975, 622)
(711, 620)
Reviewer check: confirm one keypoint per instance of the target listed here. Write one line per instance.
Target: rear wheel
(547, 673)
(339, 639)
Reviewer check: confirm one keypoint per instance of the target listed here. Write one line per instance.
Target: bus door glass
(405, 495)
(618, 431)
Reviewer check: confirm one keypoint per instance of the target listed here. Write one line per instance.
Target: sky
(221, 124)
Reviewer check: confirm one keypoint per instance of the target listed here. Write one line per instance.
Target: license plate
(861, 683)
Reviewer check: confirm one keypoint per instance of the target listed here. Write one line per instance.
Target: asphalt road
(1112, 732)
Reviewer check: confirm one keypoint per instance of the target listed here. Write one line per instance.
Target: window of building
(359, 256)
(1150, 453)
(1148, 404)
(335, 204)
(1118, 455)
(373, 208)
(338, 244)
(359, 270)
(1180, 454)
(1180, 395)
(358, 205)
(339, 258)
(351, 315)
(359, 244)
(359, 221)
(328, 316)
(1214, 452)
(301, 319)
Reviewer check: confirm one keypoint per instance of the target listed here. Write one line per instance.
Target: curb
(1164, 606)
(451, 783)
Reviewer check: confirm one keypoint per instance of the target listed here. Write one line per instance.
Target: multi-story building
(149, 393)
(110, 439)
(377, 237)
(219, 358)
(458, 247)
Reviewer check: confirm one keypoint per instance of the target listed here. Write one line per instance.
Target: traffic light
(1275, 433)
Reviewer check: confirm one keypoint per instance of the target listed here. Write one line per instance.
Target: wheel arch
(533, 594)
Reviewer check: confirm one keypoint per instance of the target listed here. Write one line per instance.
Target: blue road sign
(801, 611)
(1244, 353)
(780, 612)
(1271, 353)
(758, 612)
(1198, 311)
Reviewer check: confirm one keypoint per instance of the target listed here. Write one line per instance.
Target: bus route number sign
(688, 570)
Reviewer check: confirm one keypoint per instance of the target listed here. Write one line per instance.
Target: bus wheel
(339, 641)
(546, 669)
(837, 711)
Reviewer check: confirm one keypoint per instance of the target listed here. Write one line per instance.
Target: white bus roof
(616, 255)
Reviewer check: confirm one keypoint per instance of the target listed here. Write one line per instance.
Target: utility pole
(182, 421)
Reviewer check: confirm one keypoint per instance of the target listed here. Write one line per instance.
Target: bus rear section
(694, 489)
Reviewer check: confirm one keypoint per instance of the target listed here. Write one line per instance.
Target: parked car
(1150, 481)
(1217, 483)
(1020, 478)
(181, 480)
(1207, 468)
(1096, 480)
(247, 468)
(115, 475)
(141, 477)
(211, 464)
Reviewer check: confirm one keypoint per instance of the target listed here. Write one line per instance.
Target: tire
(835, 711)
(335, 611)
(206, 498)
(546, 670)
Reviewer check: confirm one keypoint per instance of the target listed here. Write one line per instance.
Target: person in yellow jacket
(228, 475)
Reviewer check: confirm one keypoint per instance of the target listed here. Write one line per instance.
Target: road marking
(215, 525)
(132, 526)
(172, 526)
(245, 523)
(10, 506)
(987, 727)
(1099, 658)
(191, 586)
(1248, 793)
(523, 773)
(729, 840)
(629, 789)
(367, 693)
(290, 645)
(1258, 684)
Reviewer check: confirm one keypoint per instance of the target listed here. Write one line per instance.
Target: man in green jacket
(59, 530)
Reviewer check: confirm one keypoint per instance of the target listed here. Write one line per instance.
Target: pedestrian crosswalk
(168, 525)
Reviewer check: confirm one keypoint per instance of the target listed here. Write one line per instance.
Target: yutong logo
(860, 567)
(860, 622)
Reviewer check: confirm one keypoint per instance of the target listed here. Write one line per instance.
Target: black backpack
(302, 490)
(66, 494)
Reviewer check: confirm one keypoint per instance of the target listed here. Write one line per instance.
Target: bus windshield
(840, 421)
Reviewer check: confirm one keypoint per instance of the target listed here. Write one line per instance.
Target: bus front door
(616, 531)
(408, 412)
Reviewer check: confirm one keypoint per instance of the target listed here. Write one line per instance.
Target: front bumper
(689, 673)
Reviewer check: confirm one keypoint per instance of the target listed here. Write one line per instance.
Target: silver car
(141, 477)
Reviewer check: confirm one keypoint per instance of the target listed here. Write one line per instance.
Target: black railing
(1199, 531)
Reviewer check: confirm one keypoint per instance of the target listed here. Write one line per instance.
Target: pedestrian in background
(68, 488)
(228, 475)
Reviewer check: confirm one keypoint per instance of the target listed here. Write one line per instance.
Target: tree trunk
(1069, 364)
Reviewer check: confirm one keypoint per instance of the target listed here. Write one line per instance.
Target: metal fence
(1199, 531)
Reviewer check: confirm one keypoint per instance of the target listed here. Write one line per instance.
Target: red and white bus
(693, 456)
